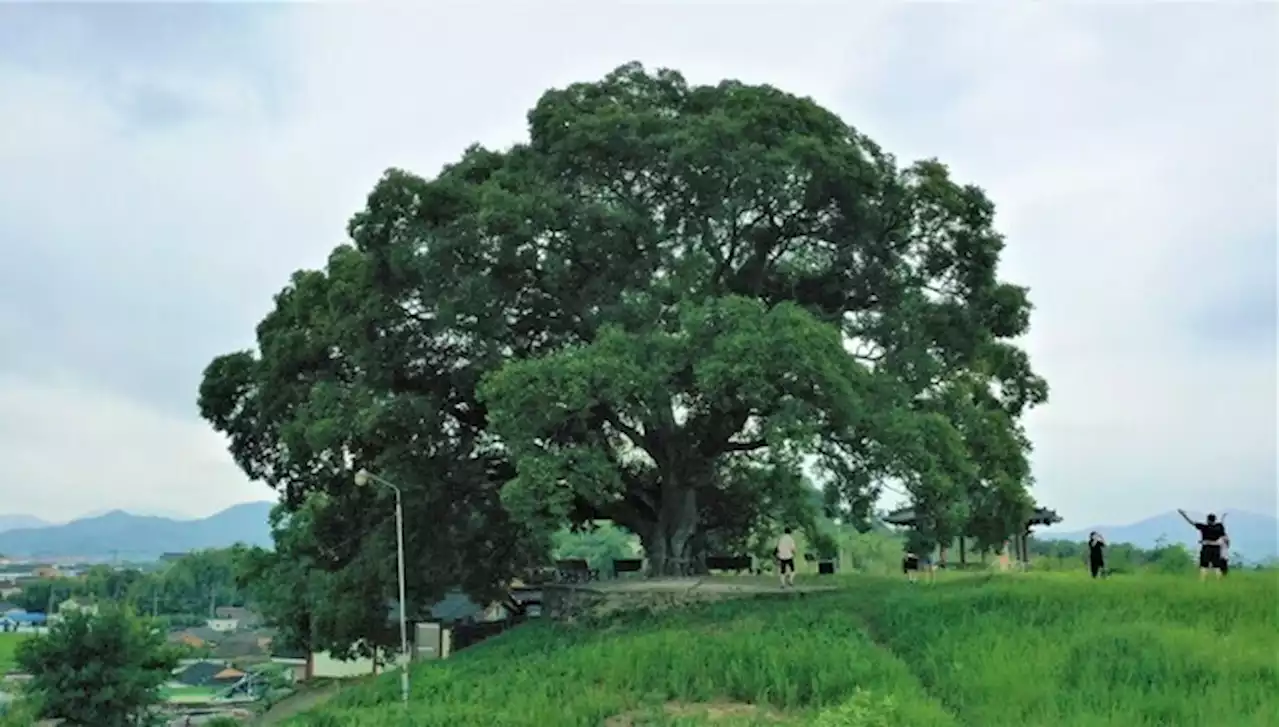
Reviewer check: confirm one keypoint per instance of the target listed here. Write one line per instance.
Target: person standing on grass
(914, 563)
(1212, 534)
(910, 565)
(786, 554)
(1224, 560)
(1097, 558)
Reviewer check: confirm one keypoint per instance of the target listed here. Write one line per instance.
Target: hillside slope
(1009, 651)
(140, 536)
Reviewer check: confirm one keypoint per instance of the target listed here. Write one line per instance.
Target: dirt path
(298, 703)
(746, 585)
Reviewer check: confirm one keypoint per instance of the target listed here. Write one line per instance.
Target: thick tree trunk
(670, 543)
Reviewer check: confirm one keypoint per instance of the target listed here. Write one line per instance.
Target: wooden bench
(736, 563)
(627, 565)
(575, 570)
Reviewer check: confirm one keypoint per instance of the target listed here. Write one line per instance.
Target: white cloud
(70, 449)
(1131, 153)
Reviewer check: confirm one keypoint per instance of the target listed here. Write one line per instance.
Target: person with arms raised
(1212, 535)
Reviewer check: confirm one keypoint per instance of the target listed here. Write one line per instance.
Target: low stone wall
(575, 602)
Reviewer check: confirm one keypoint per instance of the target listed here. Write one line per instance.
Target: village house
(78, 603)
(207, 673)
(244, 618)
(75, 604)
(197, 637)
(243, 646)
(188, 639)
(222, 625)
(227, 619)
(17, 619)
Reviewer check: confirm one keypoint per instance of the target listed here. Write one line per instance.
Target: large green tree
(98, 669)
(673, 307)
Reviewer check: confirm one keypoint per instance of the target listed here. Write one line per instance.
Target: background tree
(97, 670)
(599, 543)
(107, 583)
(188, 587)
(671, 308)
(310, 606)
(39, 594)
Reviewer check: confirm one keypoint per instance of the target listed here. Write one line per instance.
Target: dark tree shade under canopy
(673, 307)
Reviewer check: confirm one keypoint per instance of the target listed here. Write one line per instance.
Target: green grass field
(1056, 650)
(8, 645)
(189, 694)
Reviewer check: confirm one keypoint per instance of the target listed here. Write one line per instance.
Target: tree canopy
(676, 307)
(189, 587)
(311, 604)
(100, 669)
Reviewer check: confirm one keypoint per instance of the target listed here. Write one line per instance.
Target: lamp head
(363, 477)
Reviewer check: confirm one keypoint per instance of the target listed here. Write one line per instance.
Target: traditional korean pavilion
(906, 517)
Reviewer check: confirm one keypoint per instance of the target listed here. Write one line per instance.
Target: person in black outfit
(1223, 565)
(1212, 533)
(1097, 561)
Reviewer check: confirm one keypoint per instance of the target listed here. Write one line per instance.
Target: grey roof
(199, 674)
(236, 646)
(906, 516)
(204, 633)
(455, 606)
(239, 613)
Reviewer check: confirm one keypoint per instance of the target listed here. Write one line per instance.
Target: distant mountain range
(1254, 537)
(134, 537)
(15, 522)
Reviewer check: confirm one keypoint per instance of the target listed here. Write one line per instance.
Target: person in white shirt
(787, 558)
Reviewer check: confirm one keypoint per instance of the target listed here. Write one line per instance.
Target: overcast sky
(163, 168)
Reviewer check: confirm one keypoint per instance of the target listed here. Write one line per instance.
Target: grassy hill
(1035, 649)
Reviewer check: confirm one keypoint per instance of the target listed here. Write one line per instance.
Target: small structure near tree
(906, 517)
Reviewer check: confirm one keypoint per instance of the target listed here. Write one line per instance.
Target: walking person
(1097, 555)
(786, 554)
(1212, 534)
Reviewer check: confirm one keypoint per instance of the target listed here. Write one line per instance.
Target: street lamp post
(363, 478)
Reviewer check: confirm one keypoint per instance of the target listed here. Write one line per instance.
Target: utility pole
(156, 590)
